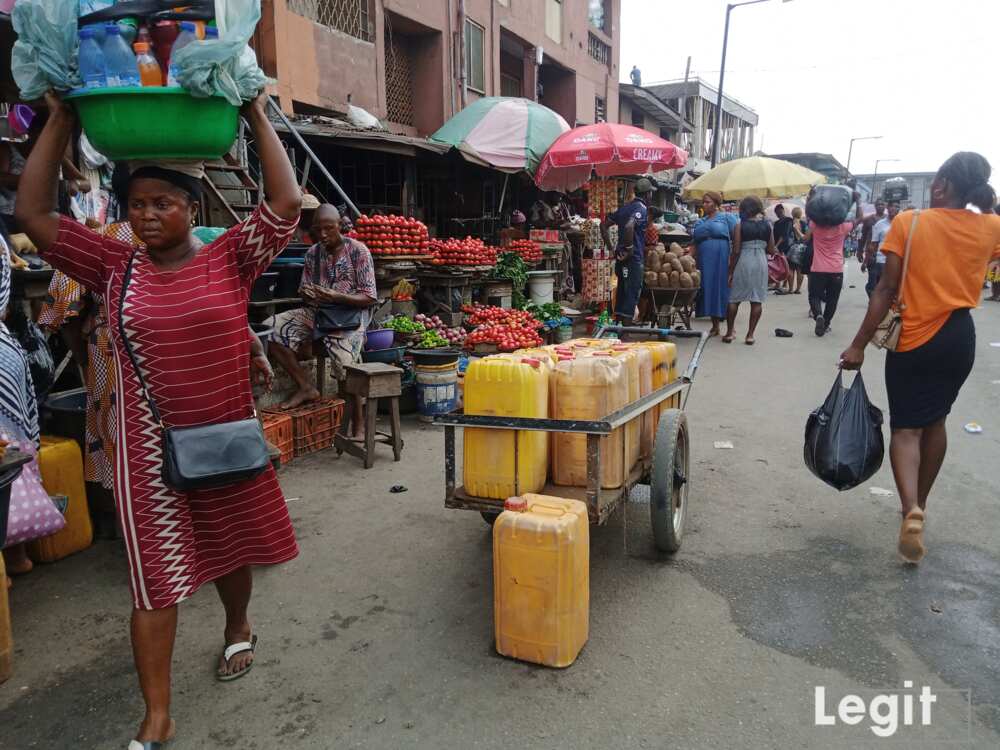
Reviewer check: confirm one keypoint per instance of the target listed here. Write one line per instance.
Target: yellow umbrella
(755, 175)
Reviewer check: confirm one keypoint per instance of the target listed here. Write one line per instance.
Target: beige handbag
(887, 334)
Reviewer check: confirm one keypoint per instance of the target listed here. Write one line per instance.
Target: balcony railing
(598, 49)
(352, 17)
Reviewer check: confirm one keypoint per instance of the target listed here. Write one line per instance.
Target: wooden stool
(373, 381)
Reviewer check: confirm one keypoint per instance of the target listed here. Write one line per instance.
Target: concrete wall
(320, 67)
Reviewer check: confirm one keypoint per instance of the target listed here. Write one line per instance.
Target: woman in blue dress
(713, 243)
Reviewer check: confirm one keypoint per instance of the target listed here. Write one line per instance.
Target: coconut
(668, 256)
(676, 249)
(653, 262)
(664, 279)
(650, 278)
(687, 263)
(696, 279)
(675, 265)
(674, 279)
(685, 281)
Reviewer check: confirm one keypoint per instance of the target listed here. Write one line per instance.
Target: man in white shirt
(874, 257)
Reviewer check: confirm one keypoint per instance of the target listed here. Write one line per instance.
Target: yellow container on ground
(6, 636)
(541, 580)
(588, 388)
(61, 464)
(506, 386)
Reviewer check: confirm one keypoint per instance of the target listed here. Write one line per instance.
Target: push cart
(666, 471)
(669, 307)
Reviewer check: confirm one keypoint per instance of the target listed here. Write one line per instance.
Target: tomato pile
(530, 252)
(507, 329)
(392, 235)
(467, 252)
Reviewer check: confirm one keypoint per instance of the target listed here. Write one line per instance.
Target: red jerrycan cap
(516, 504)
(536, 363)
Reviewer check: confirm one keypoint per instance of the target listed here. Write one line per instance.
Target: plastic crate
(279, 430)
(314, 425)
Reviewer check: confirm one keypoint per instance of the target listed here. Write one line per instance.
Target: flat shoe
(232, 650)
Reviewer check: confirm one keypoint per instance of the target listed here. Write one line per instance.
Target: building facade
(918, 183)
(697, 101)
(412, 63)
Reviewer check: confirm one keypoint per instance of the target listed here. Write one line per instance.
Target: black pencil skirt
(923, 383)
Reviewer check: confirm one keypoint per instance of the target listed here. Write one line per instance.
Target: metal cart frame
(666, 470)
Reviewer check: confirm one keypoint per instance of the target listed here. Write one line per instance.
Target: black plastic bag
(844, 445)
(829, 205)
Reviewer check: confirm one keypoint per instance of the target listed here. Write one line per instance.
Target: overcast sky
(920, 73)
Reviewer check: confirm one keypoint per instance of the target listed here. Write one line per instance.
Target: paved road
(379, 634)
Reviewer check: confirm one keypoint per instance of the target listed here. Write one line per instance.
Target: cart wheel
(490, 518)
(668, 486)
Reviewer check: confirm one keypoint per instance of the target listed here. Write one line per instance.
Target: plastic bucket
(437, 390)
(155, 122)
(541, 286)
(564, 334)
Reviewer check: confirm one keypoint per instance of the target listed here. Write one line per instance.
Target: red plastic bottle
(164, 34)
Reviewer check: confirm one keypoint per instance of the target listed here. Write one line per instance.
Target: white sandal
(231, 651)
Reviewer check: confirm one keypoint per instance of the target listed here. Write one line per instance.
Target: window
(600, 110)
(598, 15)
(553, 20)
(598, 49)
(638, 117)
(504, 3)
(510, 86)
(352, 17)
(475, 69)
(666, 134)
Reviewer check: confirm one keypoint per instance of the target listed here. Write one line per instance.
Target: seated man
(338, 271)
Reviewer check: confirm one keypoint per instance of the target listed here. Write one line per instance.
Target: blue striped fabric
(17, 394)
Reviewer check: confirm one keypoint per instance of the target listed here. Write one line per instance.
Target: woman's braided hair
(969, 175)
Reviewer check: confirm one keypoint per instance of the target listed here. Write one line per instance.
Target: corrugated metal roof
(366, 138)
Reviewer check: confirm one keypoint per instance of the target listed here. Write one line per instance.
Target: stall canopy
(505, 133)
(610, 150)
(755, 175)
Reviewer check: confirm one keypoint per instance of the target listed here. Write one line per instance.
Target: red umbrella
(610, 149)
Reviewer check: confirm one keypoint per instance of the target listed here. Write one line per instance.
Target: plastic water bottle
(119, 62)
(211, 33)
(188, 34)
(149, 70)
(91, 60)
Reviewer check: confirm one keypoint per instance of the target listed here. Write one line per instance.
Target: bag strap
(128, 345)
(906, 260)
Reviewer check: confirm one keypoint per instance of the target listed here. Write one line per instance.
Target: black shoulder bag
(207, 456)
(330, 318)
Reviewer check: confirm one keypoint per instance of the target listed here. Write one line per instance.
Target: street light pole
(850, 150)
(717, 138)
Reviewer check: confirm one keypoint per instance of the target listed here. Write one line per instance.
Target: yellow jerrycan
(647, 422)
(588, 388)
(664, 372)
(506, 386)
(541, 579)
(61, 465)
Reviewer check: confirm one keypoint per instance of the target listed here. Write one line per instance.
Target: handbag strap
(906, 259)
(126, 278)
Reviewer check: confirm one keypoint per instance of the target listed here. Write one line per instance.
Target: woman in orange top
(949, 254)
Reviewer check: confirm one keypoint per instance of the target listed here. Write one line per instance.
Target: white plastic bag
(45, 53)
(226, 67)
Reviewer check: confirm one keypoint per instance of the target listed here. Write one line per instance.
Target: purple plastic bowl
(380, 338)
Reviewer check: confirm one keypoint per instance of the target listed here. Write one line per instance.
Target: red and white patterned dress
(188, 329)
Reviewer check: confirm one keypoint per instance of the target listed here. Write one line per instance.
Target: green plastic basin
(155, 122)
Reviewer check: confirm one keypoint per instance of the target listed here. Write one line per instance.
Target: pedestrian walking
(753, 242)
(874, 260)
(937, 344)
(178, 307)
(826, 275)
(796, 251)
(712, 246)
(866, 231)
